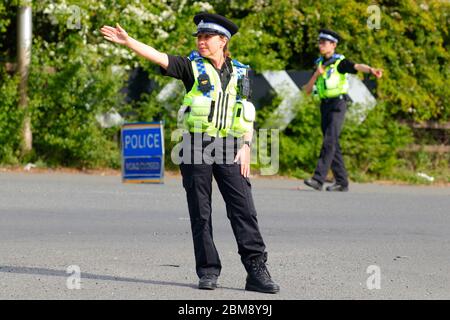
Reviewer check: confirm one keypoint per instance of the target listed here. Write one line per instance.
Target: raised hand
(116, 35)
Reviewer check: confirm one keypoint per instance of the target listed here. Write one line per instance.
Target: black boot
(208, 282)
(313, 183)
(337, 187)
(258, 278)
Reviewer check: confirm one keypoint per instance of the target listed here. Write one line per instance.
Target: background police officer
(217, 117)
(332, 86)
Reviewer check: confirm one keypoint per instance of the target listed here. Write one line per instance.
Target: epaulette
(333, 58)
(194, 55)
(239, 65)
(338, 56)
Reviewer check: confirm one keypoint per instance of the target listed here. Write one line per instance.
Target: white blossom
(141, 13)
(162, 34)
(424, 6)
(204, 6)
(166, 14)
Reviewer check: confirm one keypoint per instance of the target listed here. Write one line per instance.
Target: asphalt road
(134, 242)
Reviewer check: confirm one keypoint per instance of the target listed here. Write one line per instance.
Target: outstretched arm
(367, 69)
(120, 36)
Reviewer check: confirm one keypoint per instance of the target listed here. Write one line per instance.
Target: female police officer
(332, 86)
(215, 111)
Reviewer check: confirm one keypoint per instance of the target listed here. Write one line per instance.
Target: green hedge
(10, 119)
(76, 74)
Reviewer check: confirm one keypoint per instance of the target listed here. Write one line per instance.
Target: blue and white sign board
(143, 152)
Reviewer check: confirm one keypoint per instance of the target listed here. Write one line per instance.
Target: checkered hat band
(213, 26)
(327, 36)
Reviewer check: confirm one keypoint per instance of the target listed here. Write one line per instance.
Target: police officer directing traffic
(331, 83)
(215, 111)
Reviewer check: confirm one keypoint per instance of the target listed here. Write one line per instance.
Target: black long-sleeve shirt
(181, 68)
(345, 66)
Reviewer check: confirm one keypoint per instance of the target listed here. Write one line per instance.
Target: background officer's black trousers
(235, 190)
(332, 118)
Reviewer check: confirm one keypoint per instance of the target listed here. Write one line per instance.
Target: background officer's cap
(214, 24)
(329, 35)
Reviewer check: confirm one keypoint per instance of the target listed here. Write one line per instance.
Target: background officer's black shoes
(337, 187)
(313, 184)
(258, 278)
(208, 282)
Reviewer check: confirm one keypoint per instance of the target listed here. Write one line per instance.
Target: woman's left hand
(243, 156)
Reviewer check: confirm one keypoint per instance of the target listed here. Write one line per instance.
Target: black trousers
(235, 190)
(332, 118)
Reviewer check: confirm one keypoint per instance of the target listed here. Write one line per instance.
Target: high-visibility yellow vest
(331, 83)
(216, 112)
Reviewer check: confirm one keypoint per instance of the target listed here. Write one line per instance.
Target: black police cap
(214, 23)
(329, 35)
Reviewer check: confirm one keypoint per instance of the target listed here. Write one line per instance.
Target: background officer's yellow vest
(331, 83)
(217, 113)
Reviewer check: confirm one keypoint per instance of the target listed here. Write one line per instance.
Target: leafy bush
(370, 149)
(76, 74)
(10, 119)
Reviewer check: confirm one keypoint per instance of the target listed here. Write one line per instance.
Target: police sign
(143, 152)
